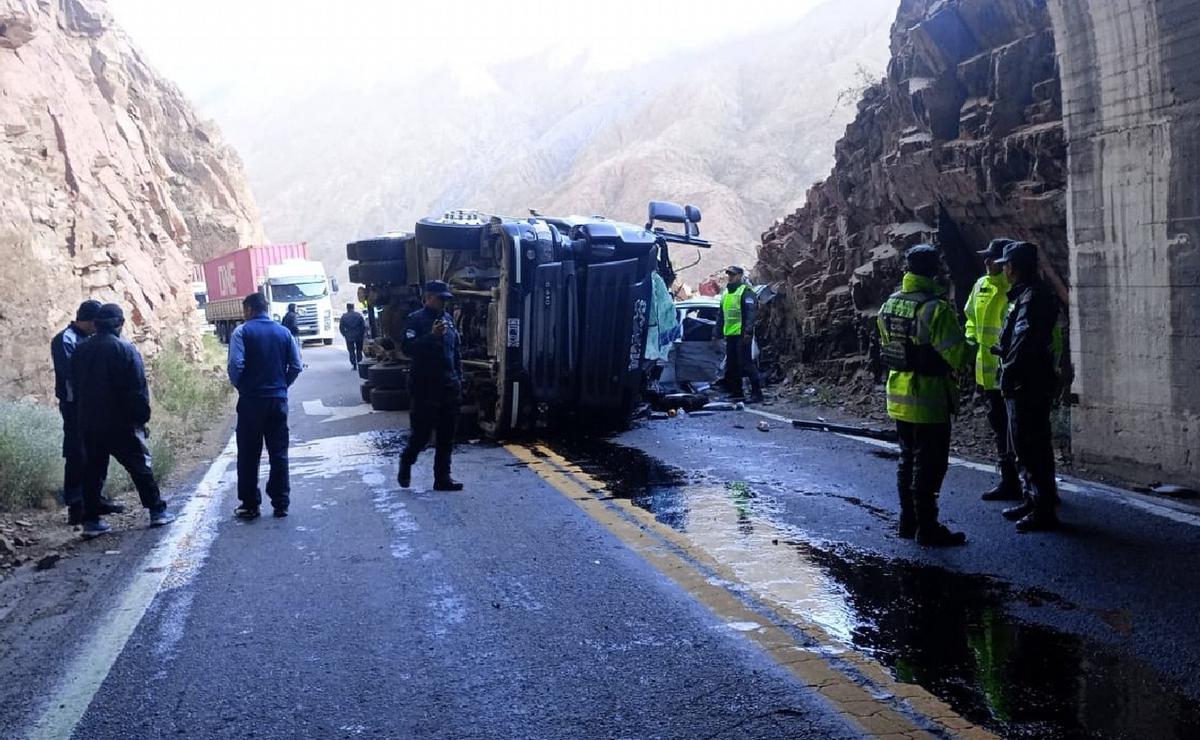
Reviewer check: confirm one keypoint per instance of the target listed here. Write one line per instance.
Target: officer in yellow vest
(739, 307)
(987, 307)
(923, 347)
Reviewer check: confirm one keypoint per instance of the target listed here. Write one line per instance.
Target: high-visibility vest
(986, 310)
(918, 324)
(731, 310)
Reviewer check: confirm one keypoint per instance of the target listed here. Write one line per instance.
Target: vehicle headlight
(275, 317)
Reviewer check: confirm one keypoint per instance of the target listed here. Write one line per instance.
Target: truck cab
(304, 283)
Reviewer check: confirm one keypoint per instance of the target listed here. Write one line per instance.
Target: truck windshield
(281, 292)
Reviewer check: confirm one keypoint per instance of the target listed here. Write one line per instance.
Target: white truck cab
(304, 283)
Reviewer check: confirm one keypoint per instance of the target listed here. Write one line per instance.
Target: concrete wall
(1131, 99)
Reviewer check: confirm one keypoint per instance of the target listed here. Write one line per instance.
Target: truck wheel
(433, 234)
(387, 399)
(392, 377)
(365, 389)
(354, 276)
(364, 367)
(390, 271)
(379, 249)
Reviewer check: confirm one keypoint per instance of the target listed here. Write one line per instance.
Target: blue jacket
(264, 359)
(61, 348)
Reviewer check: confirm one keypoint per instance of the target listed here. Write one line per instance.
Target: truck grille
(308, 319)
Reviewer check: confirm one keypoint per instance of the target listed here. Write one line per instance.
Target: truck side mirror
(692, 213)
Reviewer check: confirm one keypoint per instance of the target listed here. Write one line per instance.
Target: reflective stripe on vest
(731, 309)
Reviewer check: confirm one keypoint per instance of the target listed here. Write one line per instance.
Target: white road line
(1090, 489)
(176, 553)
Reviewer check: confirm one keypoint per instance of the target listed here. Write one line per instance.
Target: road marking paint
(908, 712)
(336, 413)
(1087, 488)
(172, 561)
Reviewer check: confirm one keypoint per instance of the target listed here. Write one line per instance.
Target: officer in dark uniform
(1028, 382)
(435, 385)
(114, 407)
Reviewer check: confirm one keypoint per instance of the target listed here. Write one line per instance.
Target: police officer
(435, 385)
(354, 330)
(62, 347)
(739, 308)
(113, 402)
(1028, 382)
(922, 345)
(986, 310)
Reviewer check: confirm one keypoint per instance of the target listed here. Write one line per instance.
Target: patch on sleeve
(411, 334)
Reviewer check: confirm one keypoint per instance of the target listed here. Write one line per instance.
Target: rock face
(109, 186)
(961, 143)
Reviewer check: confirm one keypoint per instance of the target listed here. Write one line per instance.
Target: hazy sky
(210, 46)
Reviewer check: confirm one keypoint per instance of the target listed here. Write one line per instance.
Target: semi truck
(558, 317)
(284, 274)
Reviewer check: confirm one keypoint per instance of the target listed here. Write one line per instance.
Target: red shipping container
(238, 274)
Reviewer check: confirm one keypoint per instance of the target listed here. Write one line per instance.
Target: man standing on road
(739, 307)
(291, 322)
(264, 361)
(354, 329)
(109, 383)
(1028, 381)
(62, 347)
(922, 345)
(436, 385)
(986, 310)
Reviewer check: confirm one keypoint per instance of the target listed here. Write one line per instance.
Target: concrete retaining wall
(1131, 101)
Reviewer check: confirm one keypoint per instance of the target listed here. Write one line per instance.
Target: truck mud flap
(551, 315)
(613, 334)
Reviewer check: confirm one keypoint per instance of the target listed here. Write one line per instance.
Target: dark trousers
(739, 363)
(355, 348)
(924, 460)
(433, 416)
(72, 452)
(1031, 438)
(998, 420)
(259, 421)
(129, 448)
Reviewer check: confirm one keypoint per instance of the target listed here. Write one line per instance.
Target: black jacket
(289, 322)
(436, 363)
(1026, 345)
(352, 325)
(62, 347)
(110, 384)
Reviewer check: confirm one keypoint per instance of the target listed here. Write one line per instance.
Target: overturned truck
(561, 319)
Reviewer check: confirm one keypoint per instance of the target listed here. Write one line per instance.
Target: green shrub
(185, 389)
(30, 454)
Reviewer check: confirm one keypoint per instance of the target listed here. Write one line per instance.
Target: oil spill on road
(949, 632)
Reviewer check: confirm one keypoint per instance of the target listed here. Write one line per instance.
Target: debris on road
(1173, 491)
(764, 426)
(49, 560)
(887, 435)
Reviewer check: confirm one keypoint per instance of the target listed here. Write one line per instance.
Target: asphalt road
(691, 578)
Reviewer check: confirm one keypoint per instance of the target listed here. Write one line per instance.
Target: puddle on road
(948, 632)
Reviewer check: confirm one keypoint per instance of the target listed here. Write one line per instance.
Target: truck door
(613, 334)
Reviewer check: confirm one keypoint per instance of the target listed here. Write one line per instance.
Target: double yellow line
(858, 688)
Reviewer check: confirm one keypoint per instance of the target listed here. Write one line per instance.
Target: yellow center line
(661, 546)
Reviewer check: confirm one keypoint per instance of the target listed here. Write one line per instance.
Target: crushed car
(563, 321)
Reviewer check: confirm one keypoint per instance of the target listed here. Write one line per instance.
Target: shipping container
(240, 273)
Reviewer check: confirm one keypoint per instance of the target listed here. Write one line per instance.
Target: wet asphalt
(505, 611)
(498, 612)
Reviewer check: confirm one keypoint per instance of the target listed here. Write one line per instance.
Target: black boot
(1019, 512)
(1038, 520)
(908, 516)
(447, 484)
(404, 477)
(1009, 487)
(931, 533)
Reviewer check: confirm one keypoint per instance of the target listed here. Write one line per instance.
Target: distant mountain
(740, 130)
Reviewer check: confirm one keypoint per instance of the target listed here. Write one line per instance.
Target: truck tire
(365, 390)
(390, 271)
(433, 234)
(364, 367)
(387, 399)
(390, 377)
(379, 249)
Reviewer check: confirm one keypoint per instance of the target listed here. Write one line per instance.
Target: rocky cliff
(109, 186)
(962, 142)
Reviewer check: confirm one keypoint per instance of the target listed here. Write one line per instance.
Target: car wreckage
(563, 321)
